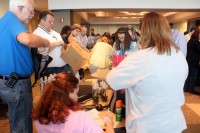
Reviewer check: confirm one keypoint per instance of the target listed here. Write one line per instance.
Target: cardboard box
(75, 56)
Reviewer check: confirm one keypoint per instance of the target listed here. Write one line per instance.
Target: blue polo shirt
(14, 56)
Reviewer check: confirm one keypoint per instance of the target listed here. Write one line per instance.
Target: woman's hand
(108, 119)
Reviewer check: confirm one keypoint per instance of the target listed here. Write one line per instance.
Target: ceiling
(107, 16)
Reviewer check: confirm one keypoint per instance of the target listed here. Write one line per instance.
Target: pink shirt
(76, 122)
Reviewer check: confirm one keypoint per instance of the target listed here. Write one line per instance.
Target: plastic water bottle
(118, 112)
(103, 91)
(41, 84)
(95, 95)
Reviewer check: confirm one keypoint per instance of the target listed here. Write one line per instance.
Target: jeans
(52, 70)
(19, 100)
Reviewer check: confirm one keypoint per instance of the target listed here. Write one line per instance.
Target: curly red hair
(55, 103)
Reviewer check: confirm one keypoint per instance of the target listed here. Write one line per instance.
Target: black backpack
(36, 63)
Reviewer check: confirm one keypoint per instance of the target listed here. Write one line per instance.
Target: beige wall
(180, 26)
(65, 15)
(4, 6)
(112, 28)
(77, 19)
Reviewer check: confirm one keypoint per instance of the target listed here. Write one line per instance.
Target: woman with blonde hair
(153, 79)
(75, 30)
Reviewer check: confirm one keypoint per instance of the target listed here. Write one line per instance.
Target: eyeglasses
(31, 11)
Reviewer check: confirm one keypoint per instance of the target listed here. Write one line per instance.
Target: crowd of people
(148, 80)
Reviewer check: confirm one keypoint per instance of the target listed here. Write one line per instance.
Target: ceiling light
(125, 12)
(144, 12)
(100, 14)
(169, 13)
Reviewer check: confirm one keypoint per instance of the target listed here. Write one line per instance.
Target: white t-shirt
(188, 36)
(180, 40)
(52, 36)
(76, 122)
(154, 93)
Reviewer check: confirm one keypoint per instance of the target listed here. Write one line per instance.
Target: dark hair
(55, 103)
(193, 28)
(195, 35)
(98, 34)
(43, 15)
(186, 32)
(82, 26)
(65, 30)
(127, 39)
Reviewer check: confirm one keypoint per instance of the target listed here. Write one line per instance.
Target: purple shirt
(76, 122)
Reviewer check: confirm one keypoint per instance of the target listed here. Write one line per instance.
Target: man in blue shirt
(16, 63)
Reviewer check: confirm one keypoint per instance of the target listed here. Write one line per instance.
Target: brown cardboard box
(75, 56)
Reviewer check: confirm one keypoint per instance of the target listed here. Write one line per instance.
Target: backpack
(36, 63)
(40, 63)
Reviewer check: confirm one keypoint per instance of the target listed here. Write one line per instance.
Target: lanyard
(47, 32)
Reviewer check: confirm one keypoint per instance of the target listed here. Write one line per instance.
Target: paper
(94, 114)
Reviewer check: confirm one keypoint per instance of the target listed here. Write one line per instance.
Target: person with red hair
(59, 112)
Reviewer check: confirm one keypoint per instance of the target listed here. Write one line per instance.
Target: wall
(190, 24)
(101, 28)
(180, 26)
(4, 6)
(65, 15)
(77, 19)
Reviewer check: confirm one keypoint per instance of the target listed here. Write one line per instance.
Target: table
(118, 126)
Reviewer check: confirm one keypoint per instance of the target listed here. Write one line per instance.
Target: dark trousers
(191, 79)
(52, 70)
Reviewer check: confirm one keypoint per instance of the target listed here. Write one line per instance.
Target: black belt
(20, 77)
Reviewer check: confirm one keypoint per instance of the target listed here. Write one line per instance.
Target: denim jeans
(52, 70)
(19, 100)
